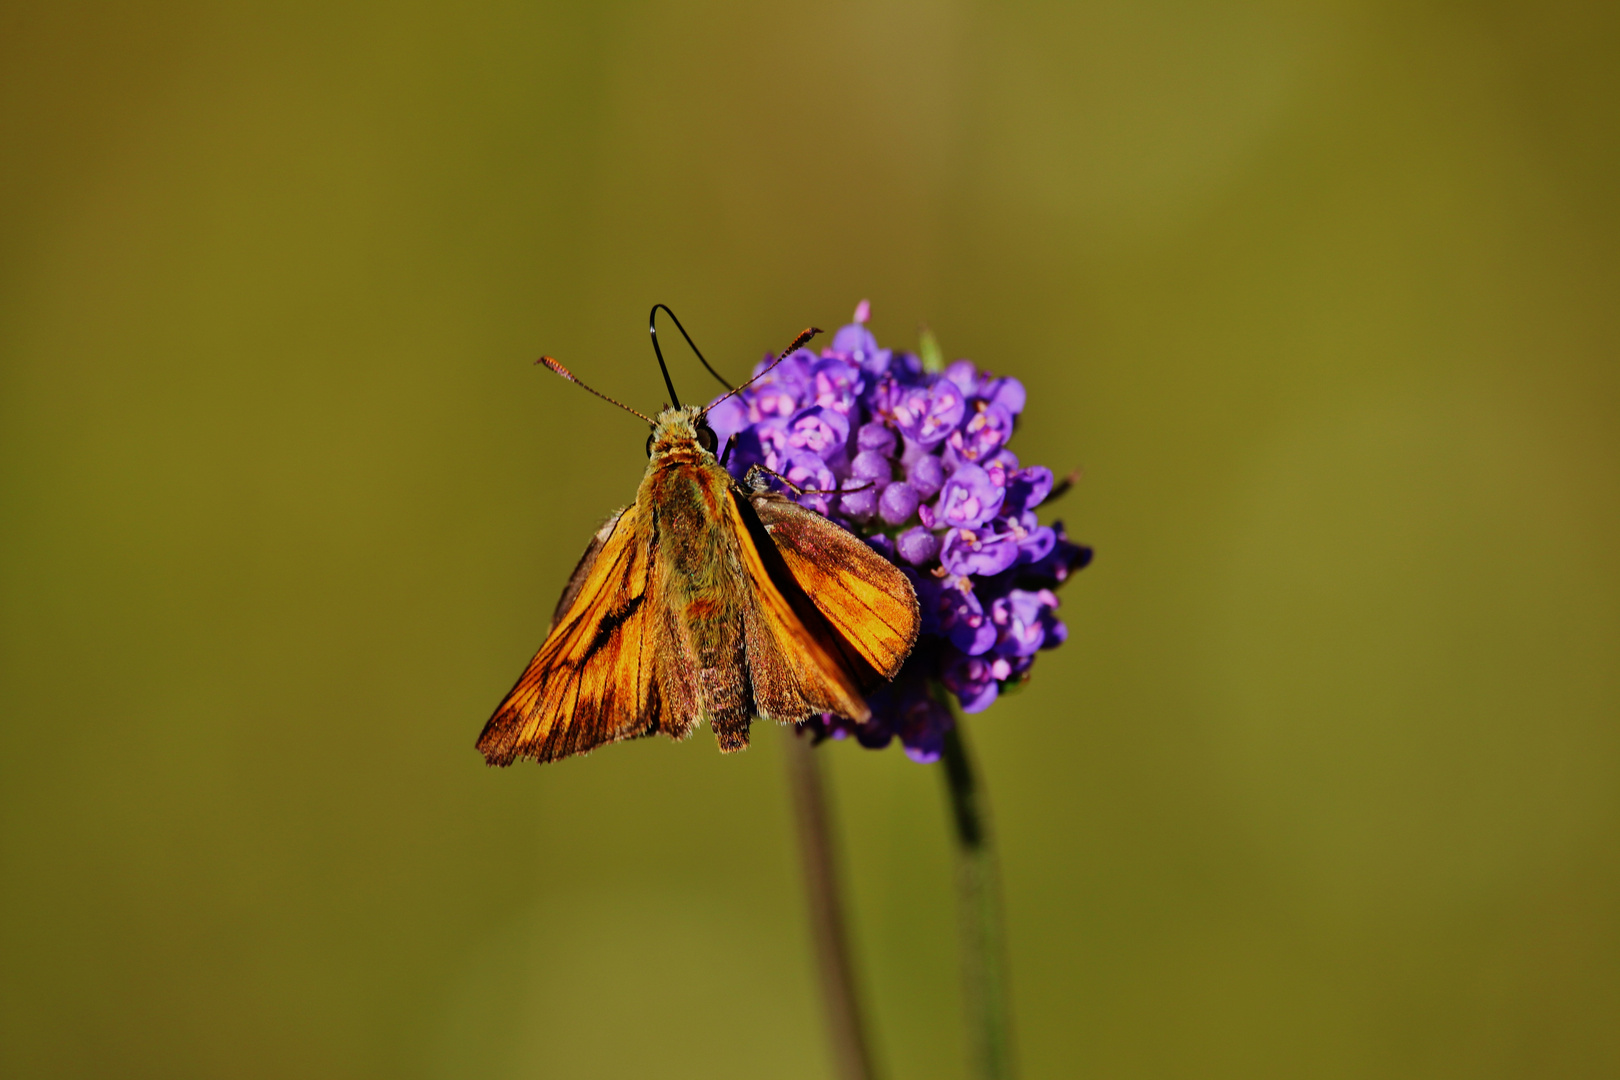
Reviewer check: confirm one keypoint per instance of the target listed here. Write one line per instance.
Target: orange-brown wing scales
(864, 596)
(676, 672)
(794, 666)
(594, 679)
(582, 572)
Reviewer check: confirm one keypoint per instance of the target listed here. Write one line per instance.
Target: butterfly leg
(755, 484)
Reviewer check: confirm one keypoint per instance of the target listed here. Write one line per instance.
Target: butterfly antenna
(798, 343)
(652, 328)
(569, 375)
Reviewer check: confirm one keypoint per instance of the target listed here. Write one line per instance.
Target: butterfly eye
(650, 436)
(706, 438)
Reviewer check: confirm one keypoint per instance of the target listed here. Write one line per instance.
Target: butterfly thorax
(687, 490)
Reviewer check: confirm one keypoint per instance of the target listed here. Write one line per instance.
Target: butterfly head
(681, 429)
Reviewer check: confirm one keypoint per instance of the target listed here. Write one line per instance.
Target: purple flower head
(873, 466)
(1028, 488)
(877, 438)
(897, 503)
(918, 718)
(972, 679)
(927, 414)
(959, 616)
(1006, 392)
(982, 552)
(762, 443)
(855, 344)
(905, 367)
(1000, 466)
(917, 546)
(968, 498)
(1023, 621)
(964, 374)
(919, 467)
(860, 500)
(836, 384)
(927, 475)
(987, 430)
(852, 341)
(809, 473)
(820, 430)
(728, 418)
(784, 389)
(1035, 541)
(906, 708)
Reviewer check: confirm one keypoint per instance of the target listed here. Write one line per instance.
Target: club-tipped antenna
(569, 375)
(798, 343)
(652, 328)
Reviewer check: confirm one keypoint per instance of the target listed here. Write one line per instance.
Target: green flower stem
(984, 962)
(850, 1051)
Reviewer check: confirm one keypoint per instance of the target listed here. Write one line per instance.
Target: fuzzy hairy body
(705, 601)
(701, 568)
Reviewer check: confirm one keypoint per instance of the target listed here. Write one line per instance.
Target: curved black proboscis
(652, 328)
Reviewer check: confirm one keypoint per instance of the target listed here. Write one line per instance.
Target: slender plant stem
(851, 1054)
(984, 958)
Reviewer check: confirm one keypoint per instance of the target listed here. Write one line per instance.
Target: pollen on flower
(916, 462)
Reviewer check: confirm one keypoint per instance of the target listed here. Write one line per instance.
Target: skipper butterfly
(705, 599)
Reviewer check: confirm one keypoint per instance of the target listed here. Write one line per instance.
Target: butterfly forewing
(582, 572)
(592, 680)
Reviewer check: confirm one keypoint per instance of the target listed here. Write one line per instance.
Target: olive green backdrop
(1323, 300)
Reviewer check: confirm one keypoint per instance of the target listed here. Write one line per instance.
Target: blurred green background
(1323, 298)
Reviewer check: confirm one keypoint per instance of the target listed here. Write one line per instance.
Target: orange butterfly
(705, 599)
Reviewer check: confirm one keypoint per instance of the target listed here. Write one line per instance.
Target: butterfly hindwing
(865, 598)
(592, 681)
(798, 665)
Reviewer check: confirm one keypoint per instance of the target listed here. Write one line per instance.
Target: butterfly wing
(864, 596)
(592, 682)
(799, 662)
